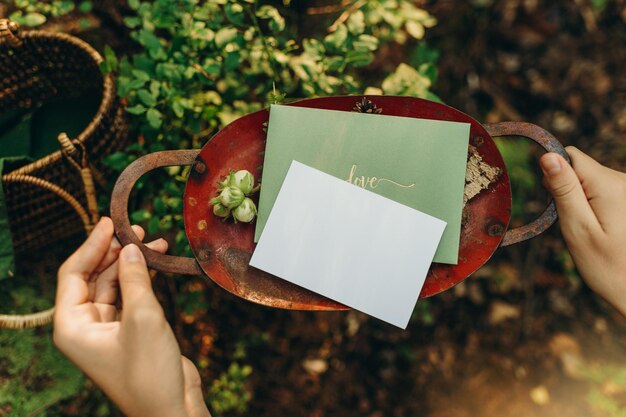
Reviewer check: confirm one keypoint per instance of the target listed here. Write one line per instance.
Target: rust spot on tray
(479, 175)
(236, 261)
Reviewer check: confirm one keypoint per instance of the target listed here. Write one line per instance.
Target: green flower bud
(231, 197)
(221, 211)
(245, 212)
(242, 179)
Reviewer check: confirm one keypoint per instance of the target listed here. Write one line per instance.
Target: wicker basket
(36, 67)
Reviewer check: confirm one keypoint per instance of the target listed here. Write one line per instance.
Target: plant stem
(333, 8)
(266, 46)
(346, 15)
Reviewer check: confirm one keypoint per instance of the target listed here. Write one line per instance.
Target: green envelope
(416, 162)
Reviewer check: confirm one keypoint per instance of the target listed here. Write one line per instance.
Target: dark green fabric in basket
(15, 141)
(28, 135)
(7, 266)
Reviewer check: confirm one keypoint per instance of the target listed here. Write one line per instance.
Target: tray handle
(550, 144)
(119, 209)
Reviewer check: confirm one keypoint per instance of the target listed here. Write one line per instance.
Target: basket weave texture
(36, 67)
(55, 196)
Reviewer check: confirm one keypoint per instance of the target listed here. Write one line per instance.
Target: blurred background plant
(34, 375)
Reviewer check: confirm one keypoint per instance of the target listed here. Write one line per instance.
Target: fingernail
(550, 165)
(131, 253)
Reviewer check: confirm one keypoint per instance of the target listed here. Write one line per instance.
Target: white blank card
(348, 244)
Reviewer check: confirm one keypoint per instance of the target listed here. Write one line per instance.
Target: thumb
(571, 202)
(135, 283)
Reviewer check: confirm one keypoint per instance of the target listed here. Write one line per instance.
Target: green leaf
(140, 215)
(143, 62)
(159, 206)
(175, 203)
(415, 29)
(429, 71)
(225, 36)
(359, 58)
(110, 62)
(356, 23)
(84, 23)
(153, 225)
(141, 75)
(155, 118)
(432, 97)
(337, 39)
(171, 71)
(132, 21)
(149, 40)
(85, 6)
(277, 22)
(118, 160)
(155, 88)
(212, 67)
(147, 98)
(314, 48)
(335, 63)
(135, 84)
(423, 54)
(366, 43)
(406, 80)
(178, 109)
(234, 13)
(166, 223)
(33, 19)
(232, 61)
(136, 109)
(134, 4)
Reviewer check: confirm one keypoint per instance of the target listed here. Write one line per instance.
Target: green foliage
(35, 12)
(33, 374)
(203, 64)
(422, 313)
(517, 156)
(396, 20)
(228, 392)
(599, 5)
(609, 385)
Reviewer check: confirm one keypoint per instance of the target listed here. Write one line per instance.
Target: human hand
(591, 201)
(135, 358)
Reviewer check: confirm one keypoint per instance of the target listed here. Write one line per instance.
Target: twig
(534, 256)
(201, 70)
(332, 8)
(502, 104)
(346, 15)
(588, 15)
(196, 137)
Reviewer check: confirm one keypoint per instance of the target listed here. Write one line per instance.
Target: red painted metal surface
(240, 145)
(223, 250)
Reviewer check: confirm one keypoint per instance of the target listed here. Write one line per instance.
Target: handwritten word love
(371, 182)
